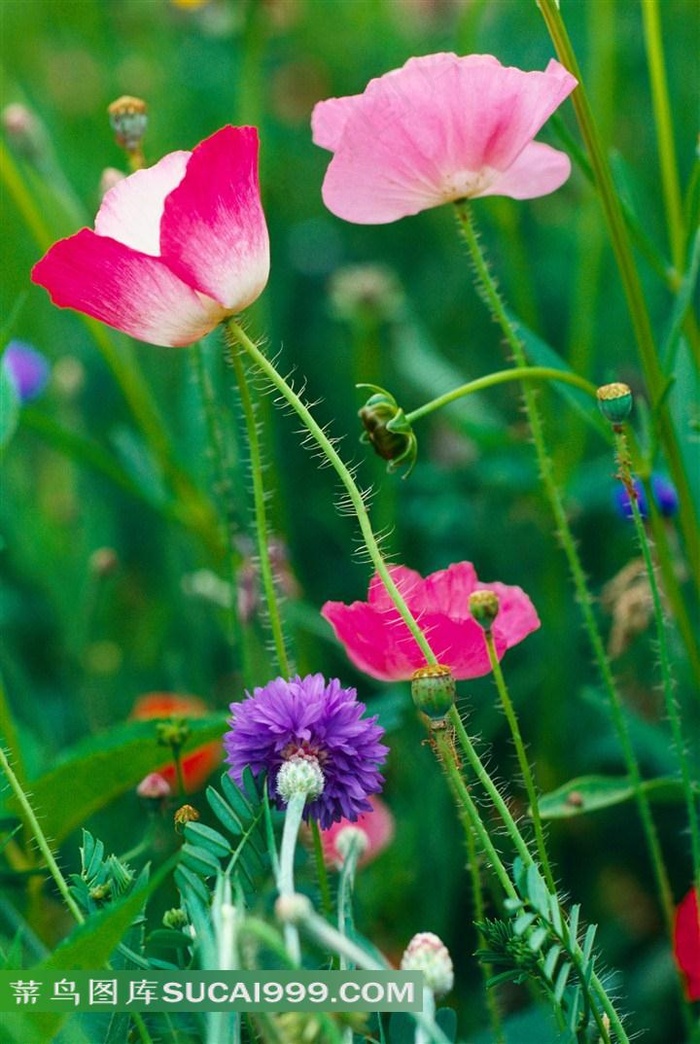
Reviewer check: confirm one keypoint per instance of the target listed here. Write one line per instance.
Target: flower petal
(213, 233)
(439, 128)
(375, 642)
(125, 289)
(538, 170)
(131, 211)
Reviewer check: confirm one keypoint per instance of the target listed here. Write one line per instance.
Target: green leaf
(223, 812)
(100, 769)
(550, 961)
(560, 984)
(200, 860)
(9, 407)
(591, 793)
(523, 922)
(537, 939)
(211, 840)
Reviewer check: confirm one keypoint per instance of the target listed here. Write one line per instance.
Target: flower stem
(533, 373)
(491, 296)
(689, 787)
(655, 378)
(530, 787)
(39, 837)
(471, 818)
(261, 527)
(345, 475)
(346, 886)
(285, 877)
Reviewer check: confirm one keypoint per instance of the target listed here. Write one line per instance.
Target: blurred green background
(81, 641)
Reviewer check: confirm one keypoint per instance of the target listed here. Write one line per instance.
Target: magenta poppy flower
(176, 247)
(439, 129)
(686, 943)
(379, 643)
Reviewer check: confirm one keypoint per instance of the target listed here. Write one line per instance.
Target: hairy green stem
(533, 797)
(345, 476)
(261, 526)
(491, 296)
(655, 378)
(533, 373)
(39, 837)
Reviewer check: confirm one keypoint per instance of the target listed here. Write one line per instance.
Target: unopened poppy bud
(300, 775)
(153, 787)
(387, 429)
(185, 814)
(615, 402)
(128, 119)
(484, 606)
(427, 953)
(433, 690)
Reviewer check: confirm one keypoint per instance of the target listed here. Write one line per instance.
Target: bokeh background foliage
(85, 634)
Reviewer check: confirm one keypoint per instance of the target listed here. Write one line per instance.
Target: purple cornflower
(27, 368)
(663, 491)
(312, 719)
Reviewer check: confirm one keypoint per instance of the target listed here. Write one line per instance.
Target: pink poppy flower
(440, 128)
(379, 643)
(686, 943)
(176, 247)
(377, 825)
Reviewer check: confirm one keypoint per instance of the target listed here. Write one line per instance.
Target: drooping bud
(433, 690)
(300, 775)
(128, 118)
(615, 402)
(387, 430)
(427, 953)
(153, 787)
(484, 606)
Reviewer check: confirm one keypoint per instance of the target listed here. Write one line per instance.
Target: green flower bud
(615, 402)
(175, 918)
(387, 430)
(484, 606)
(433, 690)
